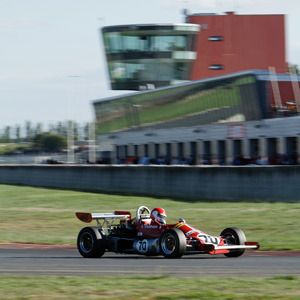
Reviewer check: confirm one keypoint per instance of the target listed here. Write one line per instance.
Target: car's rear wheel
(234, 236)
(172, 243)
(91, 242)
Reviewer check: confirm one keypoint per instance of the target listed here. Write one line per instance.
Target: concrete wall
(261, 183)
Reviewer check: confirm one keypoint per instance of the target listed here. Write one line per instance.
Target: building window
(215, 38)
(216, 67)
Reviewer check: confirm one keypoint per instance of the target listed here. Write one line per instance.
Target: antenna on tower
(185, 11)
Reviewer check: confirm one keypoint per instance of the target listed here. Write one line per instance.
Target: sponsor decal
(150, 226)
(192, 231)
(179, 225)
(236, 131)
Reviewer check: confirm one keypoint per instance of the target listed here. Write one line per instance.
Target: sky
(52, 61)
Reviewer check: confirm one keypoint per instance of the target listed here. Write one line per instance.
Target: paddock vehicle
(120, 233)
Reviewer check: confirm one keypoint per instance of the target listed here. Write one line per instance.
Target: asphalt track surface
(34, 260)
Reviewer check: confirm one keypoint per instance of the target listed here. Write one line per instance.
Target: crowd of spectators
(274, 159)
(161, 160)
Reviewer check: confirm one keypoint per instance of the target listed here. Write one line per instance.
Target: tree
(293, 68)
(38, 129)
(7, 134)
(86, 131)
(18, 133)
(29, 133)
(48, 142)
(75, 131)
(60, 129)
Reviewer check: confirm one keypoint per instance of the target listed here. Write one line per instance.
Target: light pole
(70, 138)
(92, 148)
(70, 127)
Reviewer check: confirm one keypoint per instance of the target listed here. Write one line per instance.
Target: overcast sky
(52, 63)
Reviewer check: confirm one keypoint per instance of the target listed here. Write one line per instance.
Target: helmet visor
(161, 219)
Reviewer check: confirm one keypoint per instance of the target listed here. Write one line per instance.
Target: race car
(119, 232)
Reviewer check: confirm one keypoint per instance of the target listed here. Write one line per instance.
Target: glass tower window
(117, 43)
(155, 55)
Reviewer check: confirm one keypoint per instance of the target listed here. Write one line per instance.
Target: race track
(40, 261)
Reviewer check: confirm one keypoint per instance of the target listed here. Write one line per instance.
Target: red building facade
(230, 43)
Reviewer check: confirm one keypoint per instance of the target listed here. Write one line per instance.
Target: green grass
(9, 149)
(37, 215)
(47, 216)
(152, 287)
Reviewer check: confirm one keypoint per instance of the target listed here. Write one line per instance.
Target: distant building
(231, 43)
(212, 91)
(141, 57)
(208, 121)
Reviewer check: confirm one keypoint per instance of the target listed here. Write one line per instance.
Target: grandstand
(252, 113)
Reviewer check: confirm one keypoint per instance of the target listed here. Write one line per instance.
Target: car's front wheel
(91, 242)
(234, 236)
(172, 243)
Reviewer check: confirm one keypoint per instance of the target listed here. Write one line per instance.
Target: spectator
(273, 159)
(260, 161)
(174, 161)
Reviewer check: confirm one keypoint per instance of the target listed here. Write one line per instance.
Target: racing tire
(91, 242)
(172, 243)
(234, 236)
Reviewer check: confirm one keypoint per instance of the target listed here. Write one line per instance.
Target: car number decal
(142, 246)
(207, 239)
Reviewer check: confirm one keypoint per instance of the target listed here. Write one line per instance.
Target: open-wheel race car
(148, 234)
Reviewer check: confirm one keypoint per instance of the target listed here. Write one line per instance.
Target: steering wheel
(142, 210)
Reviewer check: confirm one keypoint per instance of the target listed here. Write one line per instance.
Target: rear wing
(89, 217)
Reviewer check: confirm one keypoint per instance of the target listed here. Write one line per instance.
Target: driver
(158, 216)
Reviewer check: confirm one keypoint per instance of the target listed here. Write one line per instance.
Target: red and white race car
(140, 235)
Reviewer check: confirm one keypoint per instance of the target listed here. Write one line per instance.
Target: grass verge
(152, 287)
(37, 215)
(47, 216)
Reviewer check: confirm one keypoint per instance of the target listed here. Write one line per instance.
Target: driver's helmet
(158, 215)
